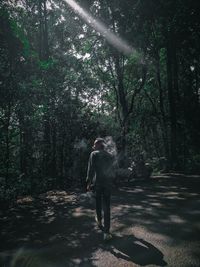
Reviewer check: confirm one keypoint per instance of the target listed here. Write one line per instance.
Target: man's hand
(88, 187)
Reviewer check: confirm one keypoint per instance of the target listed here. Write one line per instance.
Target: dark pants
(103, 197)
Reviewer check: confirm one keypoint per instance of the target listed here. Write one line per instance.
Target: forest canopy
(73, 71)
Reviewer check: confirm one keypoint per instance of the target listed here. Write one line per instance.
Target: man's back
(101, 167)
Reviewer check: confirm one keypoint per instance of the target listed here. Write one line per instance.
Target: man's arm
(90, 171)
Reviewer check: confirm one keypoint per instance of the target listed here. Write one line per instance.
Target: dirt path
(154, 224)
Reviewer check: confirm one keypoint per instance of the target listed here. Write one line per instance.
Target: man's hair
(99, 141)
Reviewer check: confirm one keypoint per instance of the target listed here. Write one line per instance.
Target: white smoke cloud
(110, 145)
(81, 144)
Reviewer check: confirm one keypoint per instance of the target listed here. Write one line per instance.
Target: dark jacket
(100, 169)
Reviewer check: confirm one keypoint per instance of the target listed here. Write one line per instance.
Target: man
(100, 174)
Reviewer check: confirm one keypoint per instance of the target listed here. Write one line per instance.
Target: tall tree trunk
(164, 129)
(53, 152)
(40, 29)
(47, 146)
(45, 33)
(7, 154)
(43, 30)
(172, 100)
(122, 103)
(23, 162)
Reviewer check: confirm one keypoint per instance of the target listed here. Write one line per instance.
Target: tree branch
(144, 72)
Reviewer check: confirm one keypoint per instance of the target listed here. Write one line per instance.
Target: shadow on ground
(130, 248)
(48, 231)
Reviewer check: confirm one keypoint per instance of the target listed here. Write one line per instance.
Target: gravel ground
(155, 223)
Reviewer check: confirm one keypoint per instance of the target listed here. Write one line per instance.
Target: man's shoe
(107, 237)
(99, 224)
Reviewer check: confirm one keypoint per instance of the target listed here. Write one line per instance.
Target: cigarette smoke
(110, 146)
(81, 144)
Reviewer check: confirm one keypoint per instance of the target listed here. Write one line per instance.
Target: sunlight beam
(100, 27)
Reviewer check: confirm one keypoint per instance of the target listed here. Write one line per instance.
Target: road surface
(154, 223)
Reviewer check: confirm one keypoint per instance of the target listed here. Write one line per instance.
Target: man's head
(99, 144)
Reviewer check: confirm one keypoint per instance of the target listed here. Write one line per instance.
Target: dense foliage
(62, 84)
